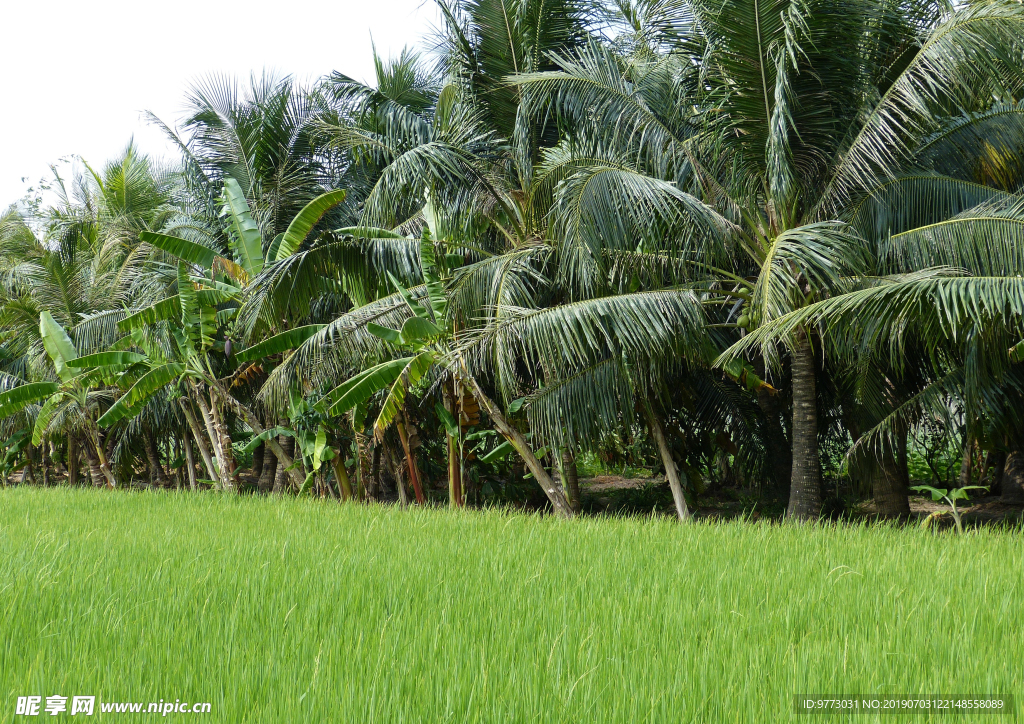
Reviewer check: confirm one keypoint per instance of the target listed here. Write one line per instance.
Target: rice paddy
(298, 610)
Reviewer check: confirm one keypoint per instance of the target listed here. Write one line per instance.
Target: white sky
(77, 74)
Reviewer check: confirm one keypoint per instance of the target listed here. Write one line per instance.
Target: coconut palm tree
(783, 117)
(492, 206)
(76, 263)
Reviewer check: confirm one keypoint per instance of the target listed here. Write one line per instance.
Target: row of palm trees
(782, 234)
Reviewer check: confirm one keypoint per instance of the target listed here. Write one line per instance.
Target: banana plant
(189, 369)
(245, 239)
(950, 495)
(79, 378)
(427, 342)
(225, 280)
(424, 341)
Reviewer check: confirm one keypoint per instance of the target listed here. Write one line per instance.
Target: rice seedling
(296, 610)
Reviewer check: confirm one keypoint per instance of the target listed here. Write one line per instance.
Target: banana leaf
(279, 343)
(16, 399)
(364, 385)
(44, 417)
(246, 240)
(108, 359)
(304, 222)
(58, 346)
(409, 376)
(128, 404)
(184, 249)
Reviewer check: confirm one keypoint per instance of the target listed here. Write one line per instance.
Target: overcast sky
(78, 74)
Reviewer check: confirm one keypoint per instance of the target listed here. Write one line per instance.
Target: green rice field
(310, 611)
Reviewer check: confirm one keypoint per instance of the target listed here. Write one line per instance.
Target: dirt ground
(603, 483)
(612, 494)
(608, 492)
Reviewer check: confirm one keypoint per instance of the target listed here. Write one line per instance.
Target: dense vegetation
(774, 243)
(369, 613)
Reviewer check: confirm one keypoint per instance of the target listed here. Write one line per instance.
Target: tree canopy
(776, 242)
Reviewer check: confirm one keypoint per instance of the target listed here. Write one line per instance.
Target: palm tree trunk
(671, 473)
(95, 474)
(995, 463)
(178, 450)
(101, 458)
(1013, 478)
(454, 473)
(889, 480)
(269, 473)
(454, 456)
(571, 481)
(780, 451)
(371, 458)
(107, 473)
(99, 469)
(190, 461)
(396, 467)
(72, 460)
(45, 461)
(555, 494)
(257, 460)
(153, 455)
(805, 483)
(410, 461)
(28, 473)
(199, 438)
(287, 445)
(109, 443)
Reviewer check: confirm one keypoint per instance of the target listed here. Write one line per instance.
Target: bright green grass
(304, 611)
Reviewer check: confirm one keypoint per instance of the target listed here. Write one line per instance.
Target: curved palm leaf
(45, 416)
(17, 398)
(945, 72)
(183, 249)
(304, 222)
(244, 233)
(149, 384)
(409, 376)
(108, 359)
(279, 343)
(361, 387)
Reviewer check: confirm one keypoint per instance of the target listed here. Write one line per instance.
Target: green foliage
(279, 343)
(500, 452)
(361, 387)
(131, 402)
(170, 308)
(45, 416)
(58, 346)
(304, 222)
(605, 217)
(410, 376)
(950, 496)
(108, 359)
(745, 607)
(15, 400)
(12, 448)
(243, 232)
(266, 435)
(184, 249)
